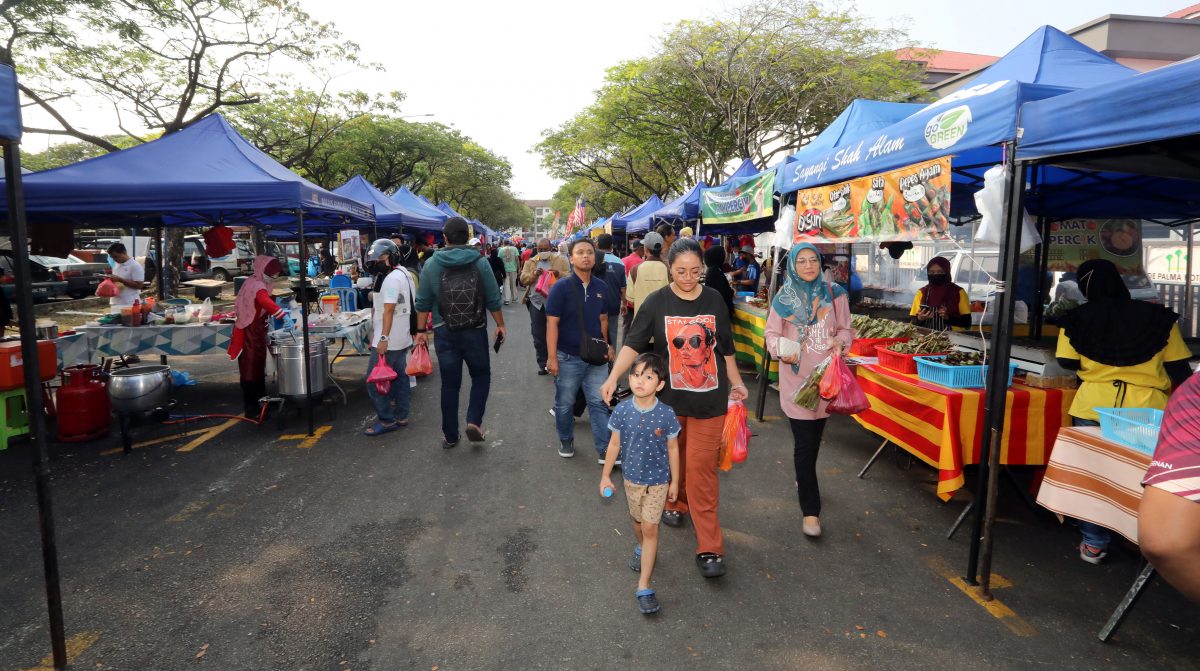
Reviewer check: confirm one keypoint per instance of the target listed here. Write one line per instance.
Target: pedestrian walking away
(688, 325)
(809, 320)
(579, 353)
(512, 271)
(650, 275)
(545, 261)
(457, 291)
(392, 329)
(646, 433)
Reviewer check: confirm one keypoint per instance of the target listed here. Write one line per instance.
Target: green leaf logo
(951, 118)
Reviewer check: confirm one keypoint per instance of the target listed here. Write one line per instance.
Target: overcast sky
(502, 72)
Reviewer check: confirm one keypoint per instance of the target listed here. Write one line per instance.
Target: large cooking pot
(139, 389)
(289, 366)
(46, 329)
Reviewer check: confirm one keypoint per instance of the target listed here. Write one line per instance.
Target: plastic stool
(14, 416)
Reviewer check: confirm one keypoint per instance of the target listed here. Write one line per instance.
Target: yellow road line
(76, 645)
(188, 510)
(203, 436)
(994, 607)
(208, 435)
(307, 441)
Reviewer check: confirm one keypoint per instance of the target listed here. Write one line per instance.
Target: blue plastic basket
(931, 369)
(1135, 428)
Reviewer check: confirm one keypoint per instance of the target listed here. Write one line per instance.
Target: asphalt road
(252, 549)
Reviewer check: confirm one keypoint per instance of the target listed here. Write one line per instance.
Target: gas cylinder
(83, 407)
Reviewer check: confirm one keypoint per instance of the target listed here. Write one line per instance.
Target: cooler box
(12, 371)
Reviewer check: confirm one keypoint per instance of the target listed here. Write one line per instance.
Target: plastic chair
(14, 416)
(340, 282)
(347, 297)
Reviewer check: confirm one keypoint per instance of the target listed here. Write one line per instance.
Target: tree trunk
(171, 264)
(258, 240)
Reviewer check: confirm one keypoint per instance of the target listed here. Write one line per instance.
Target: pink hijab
(245, 307)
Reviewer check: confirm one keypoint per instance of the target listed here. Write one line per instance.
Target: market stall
(749, 326)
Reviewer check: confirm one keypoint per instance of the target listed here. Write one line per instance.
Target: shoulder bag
(592, 350)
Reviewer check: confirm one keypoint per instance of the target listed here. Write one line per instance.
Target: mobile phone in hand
(499, 341)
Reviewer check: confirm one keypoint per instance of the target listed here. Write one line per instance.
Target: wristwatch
(383, 338)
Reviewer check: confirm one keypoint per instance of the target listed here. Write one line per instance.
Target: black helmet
(383, 246)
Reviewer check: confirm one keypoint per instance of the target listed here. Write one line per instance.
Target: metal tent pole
(162, 265)
(304, 327)
(1187, 284)
(34, 402)
(765, 381)
(982, 532)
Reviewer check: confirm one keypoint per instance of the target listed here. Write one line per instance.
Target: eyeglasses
(694, 341)
(682, 273)
(807, 262)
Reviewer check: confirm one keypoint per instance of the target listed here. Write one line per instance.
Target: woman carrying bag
(809, 320)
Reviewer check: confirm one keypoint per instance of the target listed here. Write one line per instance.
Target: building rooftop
(1186, 13)
(946, 61)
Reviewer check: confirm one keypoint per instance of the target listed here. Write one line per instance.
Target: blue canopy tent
(388, 212)
(860, 118)
(450, 211)
(638, 216)
(682, 209)
(744, 173)
(419, 210)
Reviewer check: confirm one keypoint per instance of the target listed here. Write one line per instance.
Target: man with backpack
(456, 292)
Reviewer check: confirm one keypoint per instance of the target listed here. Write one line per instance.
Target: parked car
(81, 277)
(286, 251)
(193, 248)
(46, 283)
(223, 268)
(90, 255)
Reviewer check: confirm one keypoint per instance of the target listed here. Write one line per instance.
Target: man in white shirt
(128, 275)
(392, 335)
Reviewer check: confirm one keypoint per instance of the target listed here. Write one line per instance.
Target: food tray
(1135, 428)
(931, 369)
(901, 363)
(866, 346)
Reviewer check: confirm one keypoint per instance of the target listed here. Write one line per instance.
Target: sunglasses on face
(694, 341)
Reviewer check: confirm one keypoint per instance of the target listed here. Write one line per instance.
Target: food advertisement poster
(349, 245)
(743, 200)
(1077, 240)
(912, 203)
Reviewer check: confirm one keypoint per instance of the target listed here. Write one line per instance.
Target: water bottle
(608, 492)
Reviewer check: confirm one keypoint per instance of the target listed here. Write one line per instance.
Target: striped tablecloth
(944, 427)
(1093, 479)
(749, 324)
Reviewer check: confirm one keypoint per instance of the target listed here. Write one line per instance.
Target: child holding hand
(645, 432)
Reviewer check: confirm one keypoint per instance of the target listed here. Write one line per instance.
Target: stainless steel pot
(289, 366)
(139, 389)
(46, 330)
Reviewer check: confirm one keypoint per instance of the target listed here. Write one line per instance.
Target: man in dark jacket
(466, 345)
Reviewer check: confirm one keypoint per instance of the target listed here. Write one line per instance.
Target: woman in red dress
(249, 342)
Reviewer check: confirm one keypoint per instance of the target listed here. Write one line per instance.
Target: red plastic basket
(866, 346)
(901, 363)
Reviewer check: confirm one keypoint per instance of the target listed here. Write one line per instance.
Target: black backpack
(460, 300)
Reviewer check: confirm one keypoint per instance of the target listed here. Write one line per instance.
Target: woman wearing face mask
(688, 325)
(941, 304)
(813, 316)
(249, 342)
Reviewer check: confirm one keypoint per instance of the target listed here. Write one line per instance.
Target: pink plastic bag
(419, 363)
(107, 289)
(381, 376)
(735, 436)
(544, 282)
(850, 399)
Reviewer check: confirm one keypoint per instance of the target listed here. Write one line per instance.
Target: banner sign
(740, 200)
(1077, 240)
(912, 203)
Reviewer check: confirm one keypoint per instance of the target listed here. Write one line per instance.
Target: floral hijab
(795, 300)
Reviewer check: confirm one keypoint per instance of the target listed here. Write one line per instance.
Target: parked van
(224, 268)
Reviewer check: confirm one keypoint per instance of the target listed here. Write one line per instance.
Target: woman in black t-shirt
(689, 326)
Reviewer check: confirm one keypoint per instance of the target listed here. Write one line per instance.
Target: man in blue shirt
(746, 277)
(563, 338)
(612, 271)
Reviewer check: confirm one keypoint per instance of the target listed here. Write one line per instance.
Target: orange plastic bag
(831, 382)
(735, 436)
(107, 289)
(419, 363)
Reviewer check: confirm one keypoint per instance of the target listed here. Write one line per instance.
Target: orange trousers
(699, 489)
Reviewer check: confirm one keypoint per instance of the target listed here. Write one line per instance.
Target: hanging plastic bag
(381, 376)
(204, 316)
(218, 241)
(850, 399)
(989, 201)
(107, 289)
(546, 281)
(808, 395)
(735, 436)
(831, 382)
(419, 363)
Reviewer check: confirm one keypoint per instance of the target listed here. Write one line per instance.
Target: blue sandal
(647, 602)
(380, 428)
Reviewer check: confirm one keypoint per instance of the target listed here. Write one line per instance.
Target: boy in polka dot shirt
(645, 432)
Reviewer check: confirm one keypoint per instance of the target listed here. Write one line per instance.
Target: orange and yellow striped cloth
(1090, 478)
(943, 427)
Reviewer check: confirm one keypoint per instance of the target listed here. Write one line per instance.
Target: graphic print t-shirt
(644, 434)
(694, 342)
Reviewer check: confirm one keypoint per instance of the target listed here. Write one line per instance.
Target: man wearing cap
(745, 278)
(650, 275)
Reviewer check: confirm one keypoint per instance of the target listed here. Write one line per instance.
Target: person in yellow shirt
(1127, 354)
(941, 304)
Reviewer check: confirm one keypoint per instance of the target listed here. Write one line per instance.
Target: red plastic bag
(108, 289)
(831, 381)
(419, 363)
(218, 241)
(735, 436)
(850, 399)
(381, 376)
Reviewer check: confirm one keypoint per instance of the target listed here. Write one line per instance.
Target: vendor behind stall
(249, 342)
(1127, 353)
(941, 304)
(127, 273)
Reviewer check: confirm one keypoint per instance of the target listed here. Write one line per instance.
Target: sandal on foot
(647, 602)
(380, 428)
(635, 561)
(712, 565)
(672, 518)
(474, 433)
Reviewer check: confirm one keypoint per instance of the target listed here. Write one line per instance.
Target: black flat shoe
(672, 518)
(712, 565)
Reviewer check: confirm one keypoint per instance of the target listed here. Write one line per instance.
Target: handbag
(544, 282)
(593, 351)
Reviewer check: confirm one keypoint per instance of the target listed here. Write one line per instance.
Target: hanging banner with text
(1077, 240)
(740, 200)
(912, 203)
